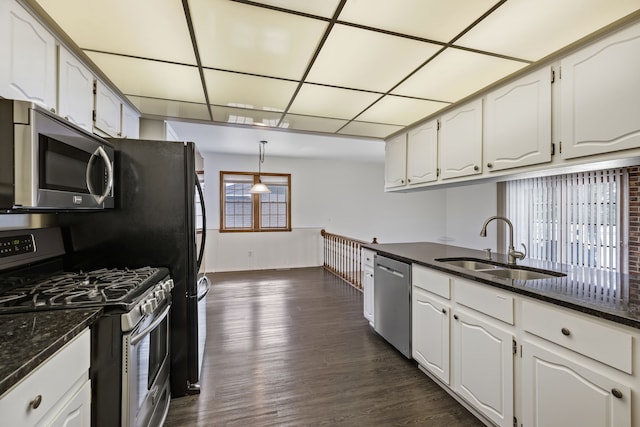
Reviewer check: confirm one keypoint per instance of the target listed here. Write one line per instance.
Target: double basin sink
(499, 270)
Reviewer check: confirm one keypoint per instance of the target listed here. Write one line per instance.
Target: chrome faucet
(513, 254)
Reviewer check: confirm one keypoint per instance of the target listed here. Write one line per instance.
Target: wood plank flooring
(292, 348)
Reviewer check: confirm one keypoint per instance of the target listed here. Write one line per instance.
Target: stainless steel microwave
(49, 164)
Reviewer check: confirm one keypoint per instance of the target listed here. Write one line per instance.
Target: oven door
(145, 371)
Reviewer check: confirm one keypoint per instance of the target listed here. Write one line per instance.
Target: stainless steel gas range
(129, 343)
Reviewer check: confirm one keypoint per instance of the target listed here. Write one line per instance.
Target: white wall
(343, 197)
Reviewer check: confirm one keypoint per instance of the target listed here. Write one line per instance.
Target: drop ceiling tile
(534, 29)
(145, 28)
(241, 90)
(314, 100)
(239, 37)
(456, 73)
(313, 124)
(372, 130)
(431, 19)
(153, 79)
(325, 8)
(167, 108)
(400, 110)
(244, 116)
(363, 59)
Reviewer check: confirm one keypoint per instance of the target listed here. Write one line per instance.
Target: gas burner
(75, 289)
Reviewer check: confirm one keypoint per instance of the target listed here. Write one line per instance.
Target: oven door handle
(146, 331)
(107, 162)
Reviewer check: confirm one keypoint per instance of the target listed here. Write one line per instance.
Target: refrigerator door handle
(204, 224)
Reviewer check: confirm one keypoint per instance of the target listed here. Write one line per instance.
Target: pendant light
(259, 187)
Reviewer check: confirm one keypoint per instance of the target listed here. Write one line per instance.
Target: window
(243, 211)
(577, 219)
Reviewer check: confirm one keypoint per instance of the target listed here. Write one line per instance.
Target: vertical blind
(573, 219)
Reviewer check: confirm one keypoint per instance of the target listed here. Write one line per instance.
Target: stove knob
(168, 285)
(153, 302)
(160, 295)
(146, 308)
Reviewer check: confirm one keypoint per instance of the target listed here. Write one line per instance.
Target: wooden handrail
(343, 257)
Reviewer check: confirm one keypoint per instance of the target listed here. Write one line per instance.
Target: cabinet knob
(566, 332)
(617, 393)
(444, 311)
(402, 181)
(38, 400)
(455, 316)
(489, 165)
(409, 180)
(476, 168)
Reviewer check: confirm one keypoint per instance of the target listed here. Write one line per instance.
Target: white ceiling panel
(534, 29)
(368, 60)
(242, 116)
(241, 90)
(456, 73)
(153, 79)
(400, 110)
(430, 19)
(169, 108)
(314, 100)
(313, 124)
(324, 8)
(239, 37)
(372, 130)
(155, 29)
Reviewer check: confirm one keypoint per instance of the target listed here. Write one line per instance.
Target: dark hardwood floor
(292, 348)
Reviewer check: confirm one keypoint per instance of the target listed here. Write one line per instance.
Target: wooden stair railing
(343, 257)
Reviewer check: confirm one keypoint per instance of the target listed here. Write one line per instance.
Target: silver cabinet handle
(617, 393)
(100, 151)
(566, 332)
(35, 403)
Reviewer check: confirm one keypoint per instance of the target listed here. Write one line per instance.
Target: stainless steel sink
(518, 274)
(499, 270)
(469, 264)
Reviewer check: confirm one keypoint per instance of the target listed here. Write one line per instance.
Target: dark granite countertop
(610, 296)
(28, 339)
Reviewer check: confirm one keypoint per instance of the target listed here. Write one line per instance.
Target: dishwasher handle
(391, 271)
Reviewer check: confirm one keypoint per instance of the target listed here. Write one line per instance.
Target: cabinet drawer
(486, 300)
(430, 280)
(592, 339)
(367, 258)
(51, 381)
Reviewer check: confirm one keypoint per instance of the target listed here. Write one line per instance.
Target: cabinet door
(518, 122)
(108, 111)
(367, 285)
(460, 144)
(422, 154)
(75, 83)
(28, 52)
(130, 123)
(483, 367)
(600, 96)
(77, 412)
(558, 393)
(395, 162)
(430, 333)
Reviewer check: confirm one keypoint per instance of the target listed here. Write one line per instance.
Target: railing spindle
(343, 257)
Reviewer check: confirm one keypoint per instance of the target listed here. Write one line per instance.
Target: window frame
(256, 204)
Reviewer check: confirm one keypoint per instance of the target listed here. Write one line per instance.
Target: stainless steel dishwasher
(392, 302)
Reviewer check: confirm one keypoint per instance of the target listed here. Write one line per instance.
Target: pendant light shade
(259, 187)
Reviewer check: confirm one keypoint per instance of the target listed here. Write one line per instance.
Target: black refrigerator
(153, 223)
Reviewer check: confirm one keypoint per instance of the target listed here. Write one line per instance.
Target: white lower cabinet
(57, 393)
(558, 392)
(367, 284)
(483, 366)
(430, 333)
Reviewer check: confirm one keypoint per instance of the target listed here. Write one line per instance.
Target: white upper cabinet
(130, 123)
(422, 154)
(461, 141)
(517, 122)
(395, 165)
(108, 111)
(28, 52)
(75, 90)
(600, 96)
